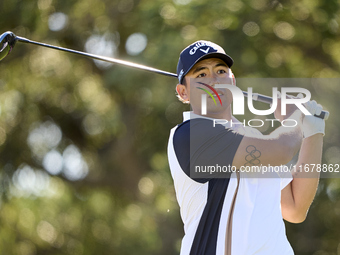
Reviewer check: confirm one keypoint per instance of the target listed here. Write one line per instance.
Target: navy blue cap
(198, 51)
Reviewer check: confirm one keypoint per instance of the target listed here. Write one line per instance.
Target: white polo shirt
(205, 204)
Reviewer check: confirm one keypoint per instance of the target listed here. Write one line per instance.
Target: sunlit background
(83, 164)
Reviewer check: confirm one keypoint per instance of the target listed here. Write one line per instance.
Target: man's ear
(182, 93)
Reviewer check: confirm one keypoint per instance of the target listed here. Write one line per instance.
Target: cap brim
(227, 59)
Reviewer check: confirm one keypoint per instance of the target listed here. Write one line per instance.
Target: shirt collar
(189, 115)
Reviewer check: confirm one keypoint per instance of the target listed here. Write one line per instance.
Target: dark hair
(184, 81)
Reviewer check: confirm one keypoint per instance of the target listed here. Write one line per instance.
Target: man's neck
(218, 115)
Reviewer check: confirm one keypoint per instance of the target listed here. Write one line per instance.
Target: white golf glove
(312, 125)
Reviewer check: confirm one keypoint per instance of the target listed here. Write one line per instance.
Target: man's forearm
(291, 137)
(305, 182)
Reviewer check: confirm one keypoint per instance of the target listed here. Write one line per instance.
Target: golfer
(237, 213)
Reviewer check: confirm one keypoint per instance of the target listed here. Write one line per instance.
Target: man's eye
(201, 75)
(221, 71)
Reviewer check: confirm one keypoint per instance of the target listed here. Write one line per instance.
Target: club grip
(268, 100)
(323, 115)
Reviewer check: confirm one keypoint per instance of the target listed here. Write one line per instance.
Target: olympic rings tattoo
(253, 157)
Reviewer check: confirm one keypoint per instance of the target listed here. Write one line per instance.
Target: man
(240, 213)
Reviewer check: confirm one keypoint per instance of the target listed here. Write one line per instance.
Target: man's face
(209, 71)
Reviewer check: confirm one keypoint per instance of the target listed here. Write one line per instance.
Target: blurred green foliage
(83, 146)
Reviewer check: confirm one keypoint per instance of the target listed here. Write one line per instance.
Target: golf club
(9, 39)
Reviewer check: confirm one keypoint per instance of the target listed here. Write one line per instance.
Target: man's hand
(312, 125)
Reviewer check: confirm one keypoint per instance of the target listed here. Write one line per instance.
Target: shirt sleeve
(286, 177)
(204, 150)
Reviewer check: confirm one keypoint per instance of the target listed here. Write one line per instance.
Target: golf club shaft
(93, 56)
(256, 97)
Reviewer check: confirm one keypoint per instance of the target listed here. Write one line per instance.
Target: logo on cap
(180, 75)
(199, 45)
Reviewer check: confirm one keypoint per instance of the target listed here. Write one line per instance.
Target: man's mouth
(215, 95)
(220, 94)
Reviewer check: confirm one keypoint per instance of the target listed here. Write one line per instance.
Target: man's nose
(215, 79)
